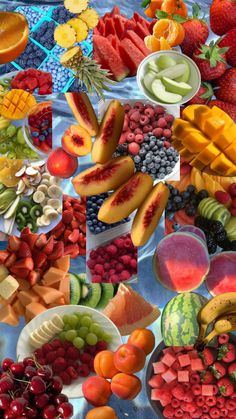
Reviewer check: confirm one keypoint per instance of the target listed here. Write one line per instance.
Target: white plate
(24, 349)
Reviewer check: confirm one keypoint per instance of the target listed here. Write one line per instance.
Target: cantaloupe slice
(9, 300)
(62, 263)
(28, 297)
(24, 285)
(34, 309)
(47, 294)
(53, 275)
(8, 286)
(18, 308)
(8, 315)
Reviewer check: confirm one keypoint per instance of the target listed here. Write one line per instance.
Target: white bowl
(194, 79)
(24, 348)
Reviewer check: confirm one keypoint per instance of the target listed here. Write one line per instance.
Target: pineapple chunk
(65, 35)
(76, 6)
(90, 16)
(71, 58)
(80, 27)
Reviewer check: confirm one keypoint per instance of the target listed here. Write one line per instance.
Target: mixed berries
(45, 35)
(187, 200)
(40, 124)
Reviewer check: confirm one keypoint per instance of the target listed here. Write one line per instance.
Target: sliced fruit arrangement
(16, 103)
(46, 331)
(34, 81)
(28, 377)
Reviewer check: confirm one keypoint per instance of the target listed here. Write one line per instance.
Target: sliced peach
(83, 111)
(77, 141)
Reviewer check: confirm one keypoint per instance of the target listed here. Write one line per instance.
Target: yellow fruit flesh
(80, 28)
(65, 35)
(90, 17)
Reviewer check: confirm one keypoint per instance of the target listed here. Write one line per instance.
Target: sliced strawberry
(10, 261)
(48, 248)
(14, 243)
(74, 236)
(74, 224)
(82, 252)
(3, 256)
(71, 249)
(58, 230)
(19, 273)
(24, 250)
(39, 258)
(30, 239)
(41, 241)
(225, 386)
(25, 263)
(80, 217)
(25, 231)
(82, 227)
(33, 278)
(218, 370)
(58, 251)
(67, 216)
(79, 207)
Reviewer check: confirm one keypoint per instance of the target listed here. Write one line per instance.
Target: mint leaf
(145, 3)
(179, 19)
(160, 14)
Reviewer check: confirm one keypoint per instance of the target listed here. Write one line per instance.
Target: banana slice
(46, 176)
(42, 188)
(35, 340)
(43, 332)
(38, 197)
(57, 320)
(45, 220)
(54, 328)
(55, 203)
(45, 327)
(45, 182)
(39, 222)
(54, 191)
(44, 203)
(59, 210)
(47, 208)
(51, 214)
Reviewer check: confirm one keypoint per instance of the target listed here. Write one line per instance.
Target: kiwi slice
(81, 277)
(75, 289)
(90, 295)
(210, 209)
(24, 208)
(107, 294)
(36, 211)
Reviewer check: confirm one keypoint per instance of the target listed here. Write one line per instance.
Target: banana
(4, 123)
(223, 324)
(217, 306)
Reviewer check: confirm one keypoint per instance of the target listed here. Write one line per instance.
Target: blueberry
(147, 147)
(143, 169)
(137, 159)
(177, 199)
(162, 170)
(161, 175)
(153, 170)
(168, 170)
(190, 188)
(90, 223)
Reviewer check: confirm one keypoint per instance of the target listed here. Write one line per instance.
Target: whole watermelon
(179, 326)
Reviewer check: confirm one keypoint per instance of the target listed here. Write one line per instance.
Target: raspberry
(119, 243)
(101, 346)
(159, 110)
(158, 132)
(232, 189)
(167, 144)
(200, 401)
(73, 353)
(119, 267)
(220, 401)
(197, 389)
(83, 370)
(225, 413)
(125, 275)
(139, 138)
(72, 373)
(128, 243)
(205, 408)
(38, 353)
(85, 358)
(169, 118)
(188, 395)
(125, 259)
(133, 148)
(178, 392)
(234, 203)
(197, 413)
(100, 260)
(66, 379)
(187, 407)
(223, 339)
(60, 352)
(50, 357)
(91, 263)
(112, 271)
(46, 348)
(42, 361)
(114, 279)
(179, 413)
(99, 269)
(135, 116)
(59, 365)
(214, 413)
(175, 403)
(96, 279)
(72, 363)
(211, 401)
(222, 197)
(215, 390)
(111, 249)
(230, 404)
(169, 411)
(133, 264)
(195, 379)
(106, 266)
(56, 343)
(162, 123)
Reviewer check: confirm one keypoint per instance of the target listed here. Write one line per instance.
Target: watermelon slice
(131, 55)
(142, 30)
(129, 311)
(101, 26)
(181, 262)
(222, 275)
(194, 230)
(109, 58)
(115, 11)
(119, 23)
(138, 42)
(109, 27)
(113, 39)
(130, 25)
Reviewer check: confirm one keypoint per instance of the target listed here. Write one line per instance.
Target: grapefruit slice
(129, 311)
(14, 34)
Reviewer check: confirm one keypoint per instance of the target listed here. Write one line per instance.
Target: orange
(153, 6)
(169, 29)
(164, 45)
(175, 7)
(14, 33)
(152, 43)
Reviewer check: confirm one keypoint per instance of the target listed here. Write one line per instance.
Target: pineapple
(72, 57)
(76, 6)
(90, 16)
(65, 35)
(80, 28)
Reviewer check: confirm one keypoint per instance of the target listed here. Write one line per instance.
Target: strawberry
(72, 250)
(41, 241)
(10, 261)
(232, 371)
(225, 386)
(204, 94)
(30, 239)
(19, 273)
(222, 16)
(232, 190)
(226, 353)
(74, 236)
(226, 86)
(227, 107)
(67, 216)
(25, 231)
(49, 246)
(14, 243)
(207, 377)
(210, 60)
(218, 370)
(25, 263)
(208, 355)
(58, 251)
(196, 32)
(229, 41)
(3, 256)
(24, 250)
(33, 278)
(224, 338)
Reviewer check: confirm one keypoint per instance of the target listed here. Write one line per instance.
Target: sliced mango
(213, 126)
(197, 179)
(208, 154)
(188, 113)
(226, 138)
(195, 141)
(223, 115)
(222, 165)
(230, 152)
(201, 114)
(197, 163)
(186, 154)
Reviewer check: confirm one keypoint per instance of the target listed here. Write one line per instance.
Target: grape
(20, 136)
(86, 321)
(82, 332)
(70, 335)
(91, 339)
(62, 336)
(73, 320)
(96, 329)
(105, 336)
(3, 148)
(65, 318)
(78, 343)
(11, 131)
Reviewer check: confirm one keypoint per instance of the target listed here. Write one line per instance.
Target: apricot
(77, 141)
(143, 339)
(105, 412)
(129, 358)
(126, 386)
(97, 391)
(61, 164)
(104, 364)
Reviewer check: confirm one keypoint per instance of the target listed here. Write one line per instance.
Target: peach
(77, 141)
(83, 111)
(97, 391)
(143, 339)
(104, 364)
(126, 386)
(105, 412)
(129, 358)
(61, 164)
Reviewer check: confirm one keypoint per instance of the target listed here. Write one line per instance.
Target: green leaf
(179, 19)
(160, 14)
(209, 91)
(196, 10)
(145, 3)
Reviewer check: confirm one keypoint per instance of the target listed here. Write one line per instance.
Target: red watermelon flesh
(96, 31)
(131, 55)
(115, 11)
(181, 262)
(142, 30)
(119, 23)
(222, 275)
(109, 27)
(113, 39)
(130, 25)
(109, 58)
(138, 42)
(101, 26)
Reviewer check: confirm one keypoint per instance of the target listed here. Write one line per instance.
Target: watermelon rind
(179, 325)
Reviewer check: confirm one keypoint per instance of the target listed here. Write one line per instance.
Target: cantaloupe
(8, 315)
(34, 309)
(53, 275)
(47, 294)
(18, 308)
(28, 297)
(62, 263)
(64, 287)
(24, 285)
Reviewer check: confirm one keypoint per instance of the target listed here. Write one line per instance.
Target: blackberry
(221, 236)
(211, 243)
(190, 210)
(227, 245)
(177, 199)
(217, 227)
(233, 245)
(202, 194)
(202, 223)
(191, 188)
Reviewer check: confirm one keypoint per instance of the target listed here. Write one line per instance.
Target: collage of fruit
(117, 209)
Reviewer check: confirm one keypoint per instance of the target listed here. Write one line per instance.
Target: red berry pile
(40, 124)
(71, 230)
(33, 80)
(190, 384)
(113, 262)
(228, 198)
(28, 390)
(68, 362)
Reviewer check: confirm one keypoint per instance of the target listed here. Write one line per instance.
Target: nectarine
(76, 141)
(97, 391)
(129, 358)
(126, 386)
(105, 412)
(104, 364)
(61, 164)
(143, 339)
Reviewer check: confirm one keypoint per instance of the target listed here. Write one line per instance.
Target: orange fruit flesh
(14, 33)
(152, 43)
(172, 31)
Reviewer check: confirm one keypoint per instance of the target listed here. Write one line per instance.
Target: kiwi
(75, 289)
(90, 295)
(81, 277)
(107, 294)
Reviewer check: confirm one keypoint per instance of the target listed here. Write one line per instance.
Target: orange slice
(169, 29)
(152, 43)
(164, 45)
(14, 34)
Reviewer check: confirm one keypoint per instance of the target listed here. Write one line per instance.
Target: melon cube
(169, 375)
(157, 394)
(197, 365)
(207, 390)
(156, 381)
(3, 272)
(184, 360)
(159, 367)
(8, 286)
(8, 315)
(163, 395)
(168, 359)
(169, 350)
(177, 349)
(193, 354)
(183, 376)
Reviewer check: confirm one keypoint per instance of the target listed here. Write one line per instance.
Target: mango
(208, 154)
(195, 141)
(226, 138)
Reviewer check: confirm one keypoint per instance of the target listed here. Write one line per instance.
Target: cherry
(18, 405)
(31, 412)
(45, 372)
(17, 369)
(49, 412)
(29, 362)
(60, 398)
(26, 394)
(6, 363)
(5, 401)
(9, 414)
(56, 385)
(30, 371)
(41, 400)
(66, 410)
(37, 386)
(6, 384)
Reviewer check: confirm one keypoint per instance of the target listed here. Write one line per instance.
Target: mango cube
(223, 115)
(189, 113)
(186, 154)
(209, 153)
(226, 137)
(201, 114)
(197, 163)
(195, 141)
(213, 126)
(222, 165)
(230, 152)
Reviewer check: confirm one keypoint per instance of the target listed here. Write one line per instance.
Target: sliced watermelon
(130, 25)
(101, 27)
(119, 23)
(142, 30)
(131, 55)
(109, 58)
(115, 11)
(140, 19)
(182, 218)
(109, 27)
(96, 31)
(222, 275)
(113, 39)
(138, 42)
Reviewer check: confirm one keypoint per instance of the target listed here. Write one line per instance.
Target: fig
(77, 141)
(83, 111)
(148, 215)
(109, 134)
(104, 177)
(126, 199)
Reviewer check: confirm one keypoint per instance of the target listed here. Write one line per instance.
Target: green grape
(62, 336)
(91, 339)
(20, 136)
(105, 336)
(78, 314)
(3, 148)
(73, 320)
(11, 131)
(86, 321)
(82, 332)
(11, 155)
(96, 329)
(65, 318)
(70, 335)
(78, 343)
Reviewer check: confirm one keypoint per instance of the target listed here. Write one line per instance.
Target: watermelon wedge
(109, 27)
(222, 275)
(115, 11)
(131, 55)
(119, 23)
(142, 30)
(138, 42)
